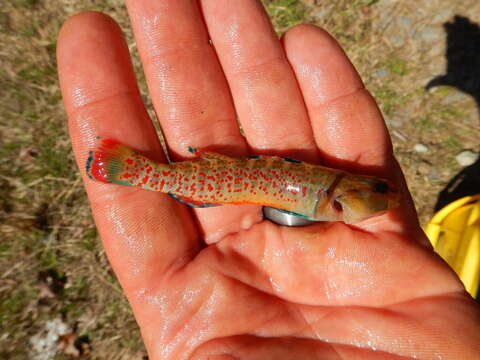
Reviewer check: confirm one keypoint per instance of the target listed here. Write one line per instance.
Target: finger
(347, 124)
(267, 98)
(190, 95)
(145, 234)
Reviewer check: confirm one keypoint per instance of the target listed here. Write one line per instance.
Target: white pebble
(420, 148)
(467, 158)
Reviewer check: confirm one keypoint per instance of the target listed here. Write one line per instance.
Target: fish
(310, 191)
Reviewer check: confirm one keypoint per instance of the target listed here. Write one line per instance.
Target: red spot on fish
(166, 173)
(145, 179)
(129, 161)
(210, 187)
(304, 191)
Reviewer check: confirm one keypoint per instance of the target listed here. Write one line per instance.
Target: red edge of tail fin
(98, 159)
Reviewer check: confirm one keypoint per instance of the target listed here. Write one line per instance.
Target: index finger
(144, 234)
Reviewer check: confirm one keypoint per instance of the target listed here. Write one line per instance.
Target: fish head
(357, 198)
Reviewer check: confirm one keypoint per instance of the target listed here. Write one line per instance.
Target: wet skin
(222, 283)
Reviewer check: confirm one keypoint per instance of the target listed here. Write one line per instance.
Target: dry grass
(51, 262)
(444, 120)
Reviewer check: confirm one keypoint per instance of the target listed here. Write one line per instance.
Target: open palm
(222, 283)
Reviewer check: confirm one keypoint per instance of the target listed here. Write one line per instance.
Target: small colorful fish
(310, 191)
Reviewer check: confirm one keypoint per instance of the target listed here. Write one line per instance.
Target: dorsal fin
(274, 157)
(208, 155)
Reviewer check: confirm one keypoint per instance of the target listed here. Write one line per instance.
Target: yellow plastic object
(454, 232)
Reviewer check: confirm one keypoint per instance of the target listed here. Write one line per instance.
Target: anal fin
(191, 202)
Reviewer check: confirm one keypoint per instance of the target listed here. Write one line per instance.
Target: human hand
(222, 283)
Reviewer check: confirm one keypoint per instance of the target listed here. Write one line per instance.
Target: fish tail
(114, 163)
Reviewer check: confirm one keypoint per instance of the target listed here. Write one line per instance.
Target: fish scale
(303, 189)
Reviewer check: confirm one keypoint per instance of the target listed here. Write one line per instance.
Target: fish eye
(337, 206)
(381, 187)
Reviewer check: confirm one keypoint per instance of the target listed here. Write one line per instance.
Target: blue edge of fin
(185, 202)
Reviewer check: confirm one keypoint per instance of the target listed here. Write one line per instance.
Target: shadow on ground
(463, 73)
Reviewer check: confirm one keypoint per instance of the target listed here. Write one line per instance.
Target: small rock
(432, 34)
(322, 14)
(397, 39)
(433, 175)
(420, 148)
(405, 22)
(394, 122)
(44, 344)
(441, 16)
(453, 97)
(381, 73)
(467, 157)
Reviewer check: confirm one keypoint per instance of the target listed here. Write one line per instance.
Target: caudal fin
(109, 161)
